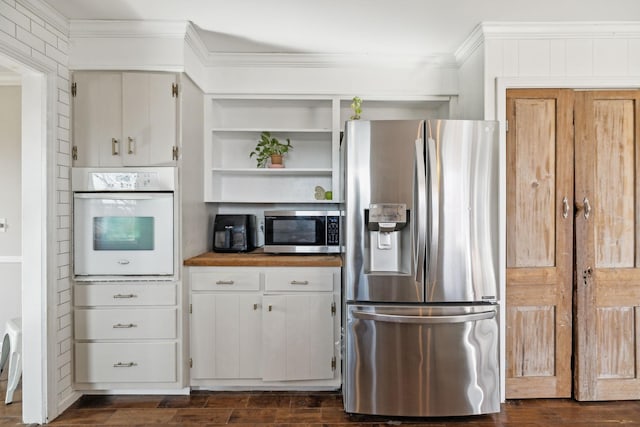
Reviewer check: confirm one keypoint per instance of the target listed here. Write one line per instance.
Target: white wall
(471, 82)
(10, 201)
(35, 37)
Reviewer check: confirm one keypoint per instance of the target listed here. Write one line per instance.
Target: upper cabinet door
(97, 118)
(607, 245)
(124, 119)
(149, 118)
(539, 242)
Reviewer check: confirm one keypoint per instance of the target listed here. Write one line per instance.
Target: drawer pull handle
(224, 282)
(125, 365)
(123, 326)
(119, 296)
(299, 282)
(255, 307)
(270, 307)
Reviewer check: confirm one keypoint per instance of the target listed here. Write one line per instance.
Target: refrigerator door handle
(421, 209)
(394, 318)
(434, 179)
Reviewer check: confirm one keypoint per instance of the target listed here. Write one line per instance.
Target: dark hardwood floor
(313, 409)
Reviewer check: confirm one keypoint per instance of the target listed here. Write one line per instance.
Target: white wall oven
(123, 222)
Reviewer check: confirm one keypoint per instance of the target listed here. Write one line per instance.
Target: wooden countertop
(258, 258)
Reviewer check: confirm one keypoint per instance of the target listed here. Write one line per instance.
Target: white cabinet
(124, 118)
(127, 335)
(265, 327)
(298, 337)
(226, 335)
(235, 125)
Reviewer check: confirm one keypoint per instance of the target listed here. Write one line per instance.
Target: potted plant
(269, 147)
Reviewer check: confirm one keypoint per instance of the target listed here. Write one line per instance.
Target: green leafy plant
(356, 106)
(269, 146)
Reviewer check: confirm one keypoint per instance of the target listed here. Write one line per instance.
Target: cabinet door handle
(115, 147)
(299, 282)
(270, 307)
(224, 282)
(125, 364)
(124, 326)
(119, 296)
(587, 208)
(131, 145)
(565, 207)
(255, 307)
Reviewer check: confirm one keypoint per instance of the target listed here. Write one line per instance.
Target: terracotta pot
(276, 159)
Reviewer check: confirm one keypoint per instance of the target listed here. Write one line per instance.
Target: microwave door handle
(108, 196)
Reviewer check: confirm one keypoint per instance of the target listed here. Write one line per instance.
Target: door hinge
(174, 90)
(333, 308)
(190, 362)
(190, 308)
(175, 152)
(333, 363)
(506, 125)
(74, 89)
(74, 152)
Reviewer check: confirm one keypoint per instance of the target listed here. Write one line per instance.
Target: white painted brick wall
(23, 29)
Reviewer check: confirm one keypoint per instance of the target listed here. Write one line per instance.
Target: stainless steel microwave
(302, 231)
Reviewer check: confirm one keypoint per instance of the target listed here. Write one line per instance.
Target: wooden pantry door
(539, 242)
(607, 245)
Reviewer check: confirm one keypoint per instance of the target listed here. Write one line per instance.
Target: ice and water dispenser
(389, 241)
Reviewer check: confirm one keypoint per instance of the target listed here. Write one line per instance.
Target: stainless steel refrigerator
(420, 273)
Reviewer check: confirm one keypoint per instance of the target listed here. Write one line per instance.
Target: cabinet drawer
(97, 324)
(130, 362)
(226, 279)
(299, 279)
(124, 294)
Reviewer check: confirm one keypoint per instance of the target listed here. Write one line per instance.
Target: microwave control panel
(333, 230)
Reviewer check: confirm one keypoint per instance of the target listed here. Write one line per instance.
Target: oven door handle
(118, 196)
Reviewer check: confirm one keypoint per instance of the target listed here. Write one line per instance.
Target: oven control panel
(132, 181)
(123, 179)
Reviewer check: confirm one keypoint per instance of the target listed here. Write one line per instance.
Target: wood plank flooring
(289, 409)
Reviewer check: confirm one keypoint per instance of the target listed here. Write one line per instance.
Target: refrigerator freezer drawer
(422, 361)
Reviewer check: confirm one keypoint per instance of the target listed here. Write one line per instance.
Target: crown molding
(544, 30)
(561, 30)
(319, 60)
(90, 28)
(48, 13)
(194, 41)
(473, 42)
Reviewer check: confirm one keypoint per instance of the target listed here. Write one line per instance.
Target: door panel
(539, 242)
(608, 273)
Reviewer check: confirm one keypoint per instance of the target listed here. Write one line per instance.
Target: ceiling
(411, 27)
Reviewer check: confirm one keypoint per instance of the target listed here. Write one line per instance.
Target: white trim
(491, 30)
(194, 41)
(10, 259)
(322, 60)
(95, 28)
(560, 30)
(474, 41)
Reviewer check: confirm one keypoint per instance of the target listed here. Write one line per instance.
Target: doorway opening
(33, 187)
